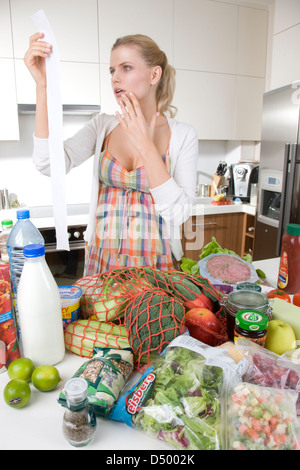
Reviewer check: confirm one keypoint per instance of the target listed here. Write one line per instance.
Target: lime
(45, 378)
(17, 393)
(21, 368)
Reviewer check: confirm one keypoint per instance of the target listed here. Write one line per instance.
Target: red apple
(201, 301)
(201, 322)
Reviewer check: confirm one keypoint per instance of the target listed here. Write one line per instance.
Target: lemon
(21, 368)
(17, 393)
(45, 378)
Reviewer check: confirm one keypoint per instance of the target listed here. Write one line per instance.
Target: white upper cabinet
(9, 125)
(6, 49)
(220, 55)
(74, 24)
(121, 17)
(206, 101)
(218, 49)
(205, 36)
(252, 42)
(118, 18)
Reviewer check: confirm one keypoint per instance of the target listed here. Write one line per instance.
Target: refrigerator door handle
(290, 154)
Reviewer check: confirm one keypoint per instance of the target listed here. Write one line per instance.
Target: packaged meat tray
(226, 269)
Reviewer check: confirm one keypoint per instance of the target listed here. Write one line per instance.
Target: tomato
(5, 303)
(4, 287)
(279, 294)
(296, 299)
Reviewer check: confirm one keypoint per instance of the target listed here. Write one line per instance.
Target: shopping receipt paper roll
(55, 123)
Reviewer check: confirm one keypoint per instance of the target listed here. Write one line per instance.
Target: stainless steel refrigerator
(279, 170)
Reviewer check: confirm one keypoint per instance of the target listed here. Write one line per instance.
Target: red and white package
(9, 348)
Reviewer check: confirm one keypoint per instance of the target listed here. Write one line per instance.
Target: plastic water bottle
(6, 225)
(23, 233)
(39, 308)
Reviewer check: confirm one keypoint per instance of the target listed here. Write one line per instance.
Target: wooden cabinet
(199, 229)
(248, 234)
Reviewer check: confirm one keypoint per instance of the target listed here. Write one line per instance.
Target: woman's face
(130, 73)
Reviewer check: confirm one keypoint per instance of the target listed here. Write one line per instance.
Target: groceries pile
(156, 355)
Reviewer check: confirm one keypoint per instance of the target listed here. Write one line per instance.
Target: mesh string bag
(149, 305)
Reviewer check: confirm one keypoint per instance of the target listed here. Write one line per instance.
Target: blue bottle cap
(34, 250)
(23, 214)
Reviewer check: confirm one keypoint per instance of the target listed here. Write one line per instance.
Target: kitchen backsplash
(212, 152)
(20, 177)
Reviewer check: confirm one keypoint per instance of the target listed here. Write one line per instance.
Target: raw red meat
(228, 269)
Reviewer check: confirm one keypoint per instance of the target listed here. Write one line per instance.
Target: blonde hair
(154, 56)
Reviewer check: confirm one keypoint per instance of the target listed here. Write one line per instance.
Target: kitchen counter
(39, 424)
(77, 214)
(210, 209)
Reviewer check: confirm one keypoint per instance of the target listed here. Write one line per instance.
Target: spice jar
(240, 300)
(289, 268)
(252, 325)
(79, 421)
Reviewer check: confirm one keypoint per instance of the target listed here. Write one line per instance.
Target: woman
(144, 176)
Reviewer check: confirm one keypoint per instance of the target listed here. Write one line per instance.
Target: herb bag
(106, 374)
(179, 398)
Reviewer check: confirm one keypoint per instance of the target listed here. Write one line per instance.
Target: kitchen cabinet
(9, 125)
(199, 229)
(74, 25)
(6, 49)
(220, 87)
(79, 83)
(248, 234)
(157, 26)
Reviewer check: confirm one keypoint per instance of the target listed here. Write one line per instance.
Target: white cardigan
(173, 199)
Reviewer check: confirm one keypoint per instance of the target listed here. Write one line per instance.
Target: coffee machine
(242, 175)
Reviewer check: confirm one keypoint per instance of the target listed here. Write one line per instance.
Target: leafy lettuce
(184, 407)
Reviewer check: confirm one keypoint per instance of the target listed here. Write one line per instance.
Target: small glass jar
(240, 300)
(79, 421)
(252, 325)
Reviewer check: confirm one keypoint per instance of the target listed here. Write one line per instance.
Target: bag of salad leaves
(179, 398)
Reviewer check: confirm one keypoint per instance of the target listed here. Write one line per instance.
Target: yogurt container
(70, 303)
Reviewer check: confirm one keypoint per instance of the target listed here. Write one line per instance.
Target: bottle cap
(7, 223)
(251, 320)
(293, 229)
(76, 390)
(23, 214)
(33, 250)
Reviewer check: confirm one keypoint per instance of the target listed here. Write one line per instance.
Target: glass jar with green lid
(252, 325)
(240, 300)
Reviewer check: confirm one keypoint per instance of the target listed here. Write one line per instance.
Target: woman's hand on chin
(134, 123)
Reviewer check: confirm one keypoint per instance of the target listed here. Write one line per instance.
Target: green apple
(280, 337)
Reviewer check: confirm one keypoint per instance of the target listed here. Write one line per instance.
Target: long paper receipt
(55, 122)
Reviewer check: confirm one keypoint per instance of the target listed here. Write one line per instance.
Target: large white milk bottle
(39, 307)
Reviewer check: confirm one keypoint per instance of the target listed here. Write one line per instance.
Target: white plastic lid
(76, 389)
